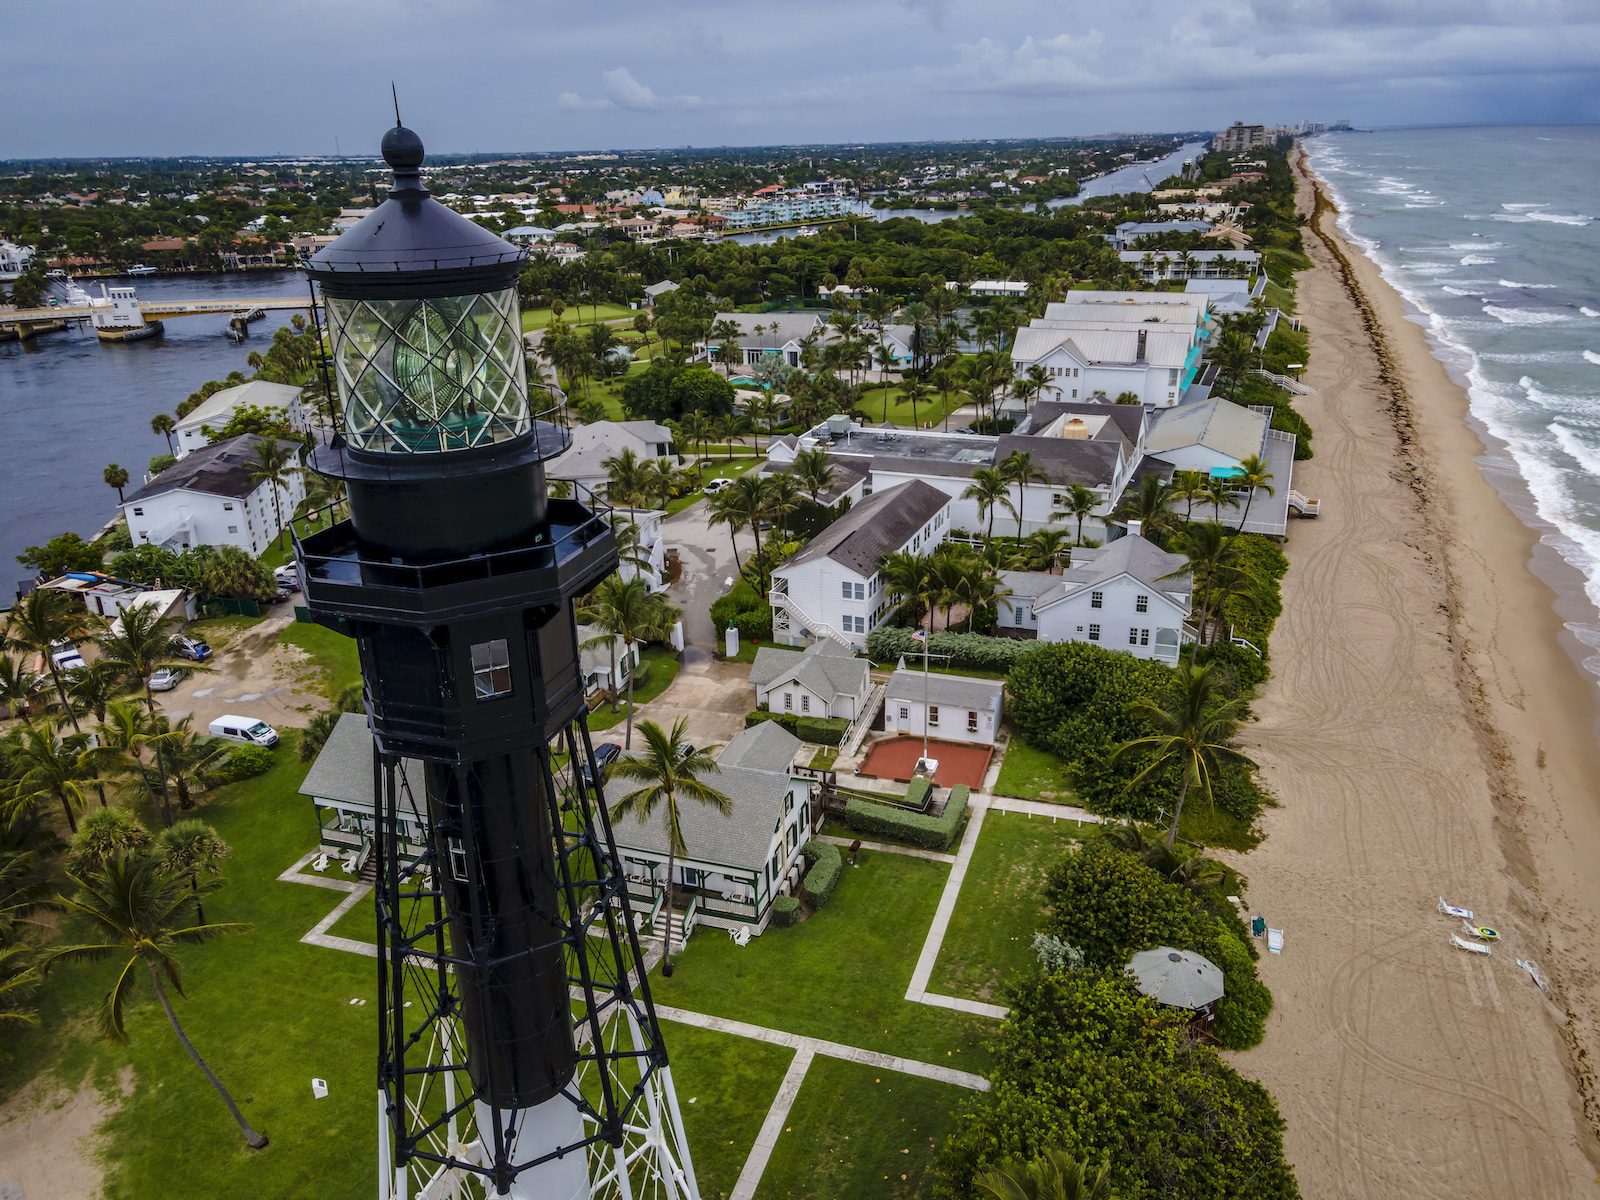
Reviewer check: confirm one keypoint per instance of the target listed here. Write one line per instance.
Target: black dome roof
(412, 233)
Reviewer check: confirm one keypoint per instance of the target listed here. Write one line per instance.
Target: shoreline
(1427, 732)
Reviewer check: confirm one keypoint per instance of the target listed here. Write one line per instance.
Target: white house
(1131, 231)
(739, 862)
(596, 661)
(832, 589)
(1130, 596)
(655, 291)
(208, 498)
(1155, 362)
(340, 786)
(1015, 289)
(823, 680)
(583, 462)
(1157, 266)
(648, 558)
(776, 336)
(217, 410)
(14, 260)
(953, 707)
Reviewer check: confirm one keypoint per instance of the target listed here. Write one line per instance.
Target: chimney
(1143, 334)
(1135, 528)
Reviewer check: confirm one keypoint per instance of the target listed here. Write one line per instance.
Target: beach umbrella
(1176, 977)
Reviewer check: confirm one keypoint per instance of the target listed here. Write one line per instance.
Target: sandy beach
(1428, 733)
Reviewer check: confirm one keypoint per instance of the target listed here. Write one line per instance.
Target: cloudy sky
(287, 76)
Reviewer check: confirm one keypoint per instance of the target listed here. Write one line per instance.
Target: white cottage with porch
(823, 680)
(340, 786)
(737, 863)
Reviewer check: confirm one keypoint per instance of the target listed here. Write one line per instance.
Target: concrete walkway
(355, 891)
(771, 1128)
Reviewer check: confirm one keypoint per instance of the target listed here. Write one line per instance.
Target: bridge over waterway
(157, 310)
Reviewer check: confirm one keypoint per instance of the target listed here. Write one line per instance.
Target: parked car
(279, 596)
(604, 755)
(288, 576)
(191, 648)
(166, 679)
(66, 657)
(718, 485)
(244, 729)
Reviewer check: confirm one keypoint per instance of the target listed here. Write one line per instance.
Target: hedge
(934, 833)
(821, 731)
(917, 793)
(969, 651)
(785, 911)
(823, 876)
(245, 762)
(745, 610)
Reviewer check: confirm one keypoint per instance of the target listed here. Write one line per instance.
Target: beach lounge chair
(1454, 910)
(1258, 926)
(1275, 941)
(1483, 933)
(1534, 973)
(1461, 943)
(319, 1088)
(740, 936)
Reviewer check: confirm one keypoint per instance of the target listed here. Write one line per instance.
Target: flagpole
(926, 639)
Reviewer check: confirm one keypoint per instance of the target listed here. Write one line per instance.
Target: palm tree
(104, 834)
(38, 621)
(669, 771)
(1220, 494)
(141, 646)
(748, 497)
(725, 335)
(53, 766)
(183, 755)
(624, 608)
(1079, 503)
(1188, 486)
(990, 489)
(116, 477)
(911, 577)
(1211, 553)
(124, 733)
(630, 480)
(164, 425)
(95, 686)
(813, 471)
(1046, 546)
(782, 502)
(1253, 474)
(1150, 505)
(19, 688)
(188, 850)
(1018, 468)
(1054, 1175)
(1193, 725)
(1233, 356)
(133, 905)
(274, 463)
(726, 509)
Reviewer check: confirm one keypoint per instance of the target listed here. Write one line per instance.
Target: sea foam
(1523, 316)
(1512, 283)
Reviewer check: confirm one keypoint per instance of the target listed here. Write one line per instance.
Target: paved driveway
(712, 696)
(708, 564)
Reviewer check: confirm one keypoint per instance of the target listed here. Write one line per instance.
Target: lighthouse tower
(519, 1053)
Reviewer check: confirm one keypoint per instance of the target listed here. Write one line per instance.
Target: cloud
(622, 90)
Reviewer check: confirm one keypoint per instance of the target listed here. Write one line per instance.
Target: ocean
(1492, 237)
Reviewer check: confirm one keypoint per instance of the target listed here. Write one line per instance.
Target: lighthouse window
(491, 669)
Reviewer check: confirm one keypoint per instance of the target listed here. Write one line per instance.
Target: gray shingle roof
(881, 524)
(958, 691)
(1132, 555)
(845, 476)
(825, 667)
(343, 770)
(1029, 583)
(221, 469)
(1124, 419)
(767, 746)
(791, 327)
(739, 839)
(1092, 463)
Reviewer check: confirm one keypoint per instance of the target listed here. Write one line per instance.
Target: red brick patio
(896, 758)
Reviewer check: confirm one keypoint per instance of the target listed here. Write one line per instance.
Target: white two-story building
(193, 430)
(209, 498)
(832, 587)
(1130, 596)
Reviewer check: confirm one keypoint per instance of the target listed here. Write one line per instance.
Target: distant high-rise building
(1240, 138)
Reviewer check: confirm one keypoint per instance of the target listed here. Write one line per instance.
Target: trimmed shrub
(787, 720)
(245, 762)
(827, 864)
(917, 793)
(966, 651)
(823, 731)
(933, 833)
(785, 911)
(745, 610)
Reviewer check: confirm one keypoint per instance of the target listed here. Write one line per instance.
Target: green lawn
(990, 937)
(1033, 774)
(722, 468)
(267, 1012)
(929, 411)
(858, 1133)
(575, 315)
(725, 1085)
(332, 665)
(814, 978)
(660, 668)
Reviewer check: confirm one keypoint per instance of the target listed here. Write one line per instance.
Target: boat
(116, 317)
(57, 273)
(140, 269)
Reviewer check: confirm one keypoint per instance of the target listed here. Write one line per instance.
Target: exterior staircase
(1293, 386)
(789, 619)
(856, 731)
(1303, 507)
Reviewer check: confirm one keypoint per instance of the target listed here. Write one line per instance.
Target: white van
(245, 729)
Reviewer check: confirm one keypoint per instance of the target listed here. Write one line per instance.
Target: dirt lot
(252, 676)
